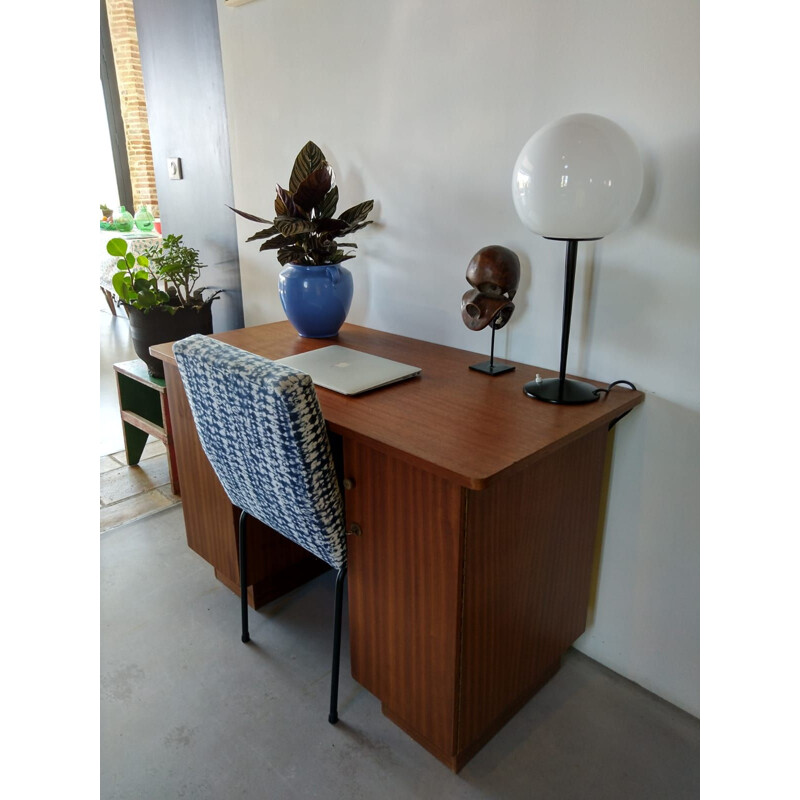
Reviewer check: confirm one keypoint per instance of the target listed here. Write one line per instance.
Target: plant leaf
(284, 205)
(330, 225)
(329, 202)
(265, 234)
(357, 213)
(122, 264)
(308, 159)
(244, 214)
(143, 261)
(118, 281)
(147, 297)
(340, 256)
(292, 226)
(289, 255)
(117, 247)
(354, 228)
(141, 284)
(311, 192)
(274, 244)
(131, 259)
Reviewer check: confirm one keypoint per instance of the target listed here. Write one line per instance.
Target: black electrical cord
(612, 385)
(598, 392)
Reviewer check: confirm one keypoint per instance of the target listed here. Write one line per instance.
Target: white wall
(424, 106)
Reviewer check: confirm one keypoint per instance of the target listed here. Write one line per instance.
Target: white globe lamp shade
(577, 178)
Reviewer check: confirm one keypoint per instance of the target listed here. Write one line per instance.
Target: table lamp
(575, 180)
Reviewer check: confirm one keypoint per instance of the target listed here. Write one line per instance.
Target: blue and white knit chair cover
(262, 430)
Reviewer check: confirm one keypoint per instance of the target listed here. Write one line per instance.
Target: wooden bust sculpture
(493, 274)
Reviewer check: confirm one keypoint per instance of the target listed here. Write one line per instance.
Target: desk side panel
(275, 563)
(528, 562)
(210, 529)
(404, 592)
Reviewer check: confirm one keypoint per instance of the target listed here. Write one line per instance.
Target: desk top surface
(464, 425)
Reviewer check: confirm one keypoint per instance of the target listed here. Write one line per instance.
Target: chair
(261, 428)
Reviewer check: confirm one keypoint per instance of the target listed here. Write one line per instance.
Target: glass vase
(144, 220)
(123, 221)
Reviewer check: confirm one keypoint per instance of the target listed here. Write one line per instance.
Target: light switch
(174, 169)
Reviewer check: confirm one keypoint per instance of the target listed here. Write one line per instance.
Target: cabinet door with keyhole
(404, 590)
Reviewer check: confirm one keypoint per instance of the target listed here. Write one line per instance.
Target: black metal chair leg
(333, 716)
(243, 572)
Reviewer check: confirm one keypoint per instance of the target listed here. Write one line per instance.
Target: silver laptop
(349, 371)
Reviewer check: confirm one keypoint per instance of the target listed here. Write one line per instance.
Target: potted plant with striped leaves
(314, 288)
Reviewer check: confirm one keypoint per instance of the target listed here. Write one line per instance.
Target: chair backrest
(261, 428)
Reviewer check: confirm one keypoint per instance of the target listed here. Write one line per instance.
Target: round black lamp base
(552, 390)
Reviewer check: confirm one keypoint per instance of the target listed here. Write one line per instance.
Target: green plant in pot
(158, 291)
(315, 290)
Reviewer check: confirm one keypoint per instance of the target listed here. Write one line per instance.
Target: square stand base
(492, 368)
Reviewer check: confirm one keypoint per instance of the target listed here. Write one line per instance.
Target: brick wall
(125, 44)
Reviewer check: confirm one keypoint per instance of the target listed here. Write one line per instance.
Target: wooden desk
(479, 509)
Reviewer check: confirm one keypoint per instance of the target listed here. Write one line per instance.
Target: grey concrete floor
(188, 711)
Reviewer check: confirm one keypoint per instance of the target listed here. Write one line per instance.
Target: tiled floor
(129, 493)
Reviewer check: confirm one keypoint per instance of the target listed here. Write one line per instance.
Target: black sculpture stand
(489, 367)
(563, 390)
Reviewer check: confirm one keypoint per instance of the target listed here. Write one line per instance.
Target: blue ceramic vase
(316, 299)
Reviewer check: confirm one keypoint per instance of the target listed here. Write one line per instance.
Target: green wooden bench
(145, 412)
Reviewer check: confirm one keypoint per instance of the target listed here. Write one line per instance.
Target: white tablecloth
(138, 242)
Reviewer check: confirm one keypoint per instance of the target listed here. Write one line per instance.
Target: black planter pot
(158, 326)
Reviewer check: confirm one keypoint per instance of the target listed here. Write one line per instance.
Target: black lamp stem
(563, 389)
(569, 288)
